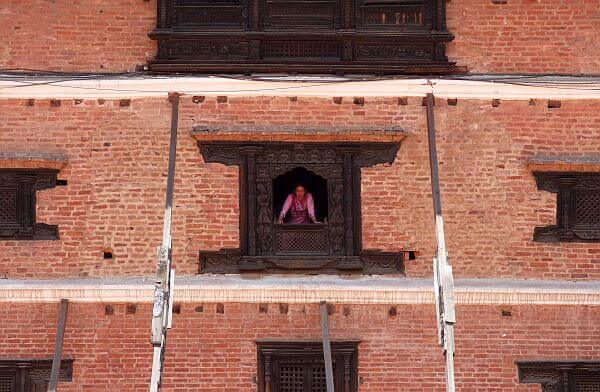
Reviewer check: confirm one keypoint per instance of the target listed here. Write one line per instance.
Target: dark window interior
(314, 184)
(561, 376)
(577, 210)
(31, 375)
(300, 366)
(18, 203)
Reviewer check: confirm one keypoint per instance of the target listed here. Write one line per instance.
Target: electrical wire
(587, 83)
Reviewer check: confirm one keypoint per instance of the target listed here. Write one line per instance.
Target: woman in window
(300, 206)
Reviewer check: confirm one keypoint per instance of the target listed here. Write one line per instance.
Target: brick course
(211, 351)
(117, 157)
(521, 36)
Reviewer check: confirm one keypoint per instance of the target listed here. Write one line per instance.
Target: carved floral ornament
(330, 247)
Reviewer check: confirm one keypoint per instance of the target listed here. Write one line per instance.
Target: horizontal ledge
(32, 160)
(565, 164)
(293, 132)
(254, 288)
(23, 87)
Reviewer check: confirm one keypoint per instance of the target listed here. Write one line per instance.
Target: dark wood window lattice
(578, 207)
(17, 204)
(389, 36)
(330, 246)
(300, 367)
(31, 375)
(561, 376)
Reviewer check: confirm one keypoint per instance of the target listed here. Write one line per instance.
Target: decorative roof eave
(32, 160)
(305, 289)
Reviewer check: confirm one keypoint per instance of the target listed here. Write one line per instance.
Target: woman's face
(300, 192)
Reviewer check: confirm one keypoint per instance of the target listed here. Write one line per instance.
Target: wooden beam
(327, 348)
(443, 280)
(58, 343)
(163, 291)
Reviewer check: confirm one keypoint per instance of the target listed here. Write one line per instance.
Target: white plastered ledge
(304, 289)
(507, 87)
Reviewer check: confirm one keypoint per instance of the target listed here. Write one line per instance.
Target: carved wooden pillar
(348, 201)
(336, 223)
(250, 157)
(564, 220)
(267, 373)
(441, 15)
(256, 17)
(347, 373)
(161, 20)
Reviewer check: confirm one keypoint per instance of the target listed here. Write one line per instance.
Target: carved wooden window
(392, 36)
(17, 204)
(329, 247)
(31, 375)
(300, 367)
(561, 376)
(578, 207)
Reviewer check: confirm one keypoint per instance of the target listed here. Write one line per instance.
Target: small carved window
(561, 376)
(268, 173)
(31, 375)
(578, 207)
(17, 204)
(300, 366)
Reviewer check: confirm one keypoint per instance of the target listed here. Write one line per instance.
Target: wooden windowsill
(32, 160)
(565, 164)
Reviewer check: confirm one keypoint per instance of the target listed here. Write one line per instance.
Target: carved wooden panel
(391, 36)
(562, 376)
(301, 239)
(330, 247)
(31, 375)
(578, 207)
(17, 204)
(286, 14)
(299, 366)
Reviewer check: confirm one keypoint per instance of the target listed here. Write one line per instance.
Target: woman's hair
(297, 184)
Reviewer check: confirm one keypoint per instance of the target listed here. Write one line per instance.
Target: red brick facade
(113, 203)
(118, 158)
(210, 351)
(521, 36)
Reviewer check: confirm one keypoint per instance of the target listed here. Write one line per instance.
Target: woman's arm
(310, 205)
(286, 207)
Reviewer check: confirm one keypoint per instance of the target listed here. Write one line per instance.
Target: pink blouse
(301, 212)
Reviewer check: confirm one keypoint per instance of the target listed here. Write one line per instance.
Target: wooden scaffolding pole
(58, 343)
(442, 271)
(163, 291)
(326, 347)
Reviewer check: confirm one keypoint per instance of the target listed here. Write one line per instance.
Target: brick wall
(521, 36)
(212, 351)
(118, 155)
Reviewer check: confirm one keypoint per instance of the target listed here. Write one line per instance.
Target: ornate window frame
(576, 206)
(305, 355)
(561, 376)
(27, 375)
(18, 189)
(340, 164)
(302, 36)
